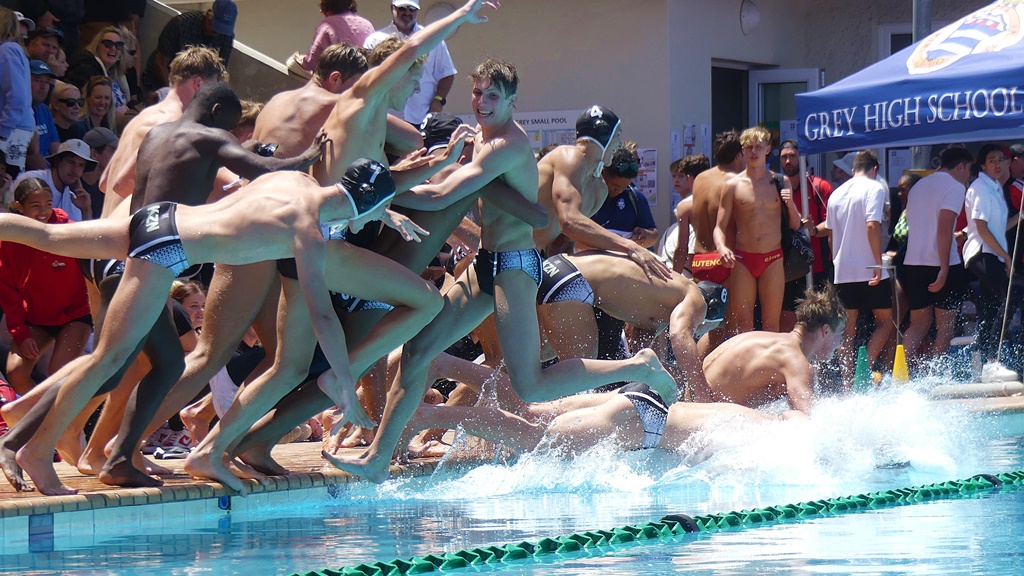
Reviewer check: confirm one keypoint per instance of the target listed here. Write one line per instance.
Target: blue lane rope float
(675, 525)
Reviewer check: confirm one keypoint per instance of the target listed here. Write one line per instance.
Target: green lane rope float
(675, 525)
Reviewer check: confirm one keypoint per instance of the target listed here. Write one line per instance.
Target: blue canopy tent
(964, 82)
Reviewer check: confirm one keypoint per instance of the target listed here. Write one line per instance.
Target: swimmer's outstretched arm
(106, 238)
(461, 183)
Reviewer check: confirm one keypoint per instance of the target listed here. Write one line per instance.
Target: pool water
(836, 453)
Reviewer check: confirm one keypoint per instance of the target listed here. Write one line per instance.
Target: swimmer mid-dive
(277, 216)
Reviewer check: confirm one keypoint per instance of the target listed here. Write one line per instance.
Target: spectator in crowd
(858, 211)
(25, 25)
(64, 175)
(986, 257)
(626, 212)
(43, 43)
(17, 123)
(102, 146)
(247, 123)
(931, 276)
(341, 25)
(58, 63)
(42, 82)
(214, 29)
(103, 57)
(192, 297)
(65, 104)
(42, 295)
(438, 72)
(684, 172)
(5, 184)
(818, 192)
(63, 15)
(99, 105)
(842, 168)
(130, 63)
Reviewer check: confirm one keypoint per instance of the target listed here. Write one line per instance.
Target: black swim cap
(369, 185)
(716, 297)
(597, 123)
(437, 129)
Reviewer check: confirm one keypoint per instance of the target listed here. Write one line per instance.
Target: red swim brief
(709, 267)
(757, 263)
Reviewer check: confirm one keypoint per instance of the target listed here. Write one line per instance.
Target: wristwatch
(441, 99)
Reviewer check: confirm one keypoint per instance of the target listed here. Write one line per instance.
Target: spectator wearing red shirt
(43, 295)
(818, 192)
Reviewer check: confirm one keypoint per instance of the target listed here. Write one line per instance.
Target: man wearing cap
(42, 82)
(214, 29)
(438, 72)
(572, 285)
(43, 43)
(72, 159)
(102, 143)
(25, 24)
(842, 168)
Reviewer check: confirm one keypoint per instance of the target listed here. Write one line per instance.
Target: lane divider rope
(675, 525)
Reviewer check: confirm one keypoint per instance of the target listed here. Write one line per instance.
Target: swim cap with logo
(597, 123)
(369, 185)
(716, 297)
(437, 128)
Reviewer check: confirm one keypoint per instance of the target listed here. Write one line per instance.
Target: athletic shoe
(995, 372)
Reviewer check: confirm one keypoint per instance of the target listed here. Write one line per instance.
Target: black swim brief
(563, 282)
(329, 231)
(489, 264)
(651, 409)
(96, 271)
(153, 236)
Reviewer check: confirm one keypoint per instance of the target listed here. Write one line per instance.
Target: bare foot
(346, 401)
(422, 447)
(658, 378)
(71, 446)
(259, 459)
(357, 437)
(375, 468)
(41, 471)
(243, 470)
(121, 472)
(12, 471)
(151, 468)
(198, 427)
(92, 461)
(203, 466)
(13, 412)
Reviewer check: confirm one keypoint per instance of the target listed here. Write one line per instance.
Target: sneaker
(178, 439)
(995, 372)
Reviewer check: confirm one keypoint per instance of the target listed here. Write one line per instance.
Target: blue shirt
(45, 127)
(622, 214)
(15, 90)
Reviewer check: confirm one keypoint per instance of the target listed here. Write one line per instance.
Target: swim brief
(757, 263)
(489, 264)
(709, 267)
(329, 231)
(651, 409)
(96, 271)
(561, 281)
(153, 236)
(353, 304)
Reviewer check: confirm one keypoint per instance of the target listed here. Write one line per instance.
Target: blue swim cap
(597, 123)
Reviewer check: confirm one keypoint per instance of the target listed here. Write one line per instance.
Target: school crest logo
(990, 29)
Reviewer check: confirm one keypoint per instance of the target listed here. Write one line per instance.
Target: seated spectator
(42, 295)
(42, 83)
(102, 57)
(214, 29)
(102, 145)
(99, 108)
(43, 43)
(132, 69)
(65, 104)
(59, 63)
(341, 25)
(64, 175)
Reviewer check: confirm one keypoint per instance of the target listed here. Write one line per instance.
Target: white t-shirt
(985, 201)
(439, 65)
(61, 198)
(930, 196)
(850, 207)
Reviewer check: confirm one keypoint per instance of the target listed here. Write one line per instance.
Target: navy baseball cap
(37, 67)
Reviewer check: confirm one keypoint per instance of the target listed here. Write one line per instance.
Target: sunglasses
(407, 9)
(72, 101)
(112, 44)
